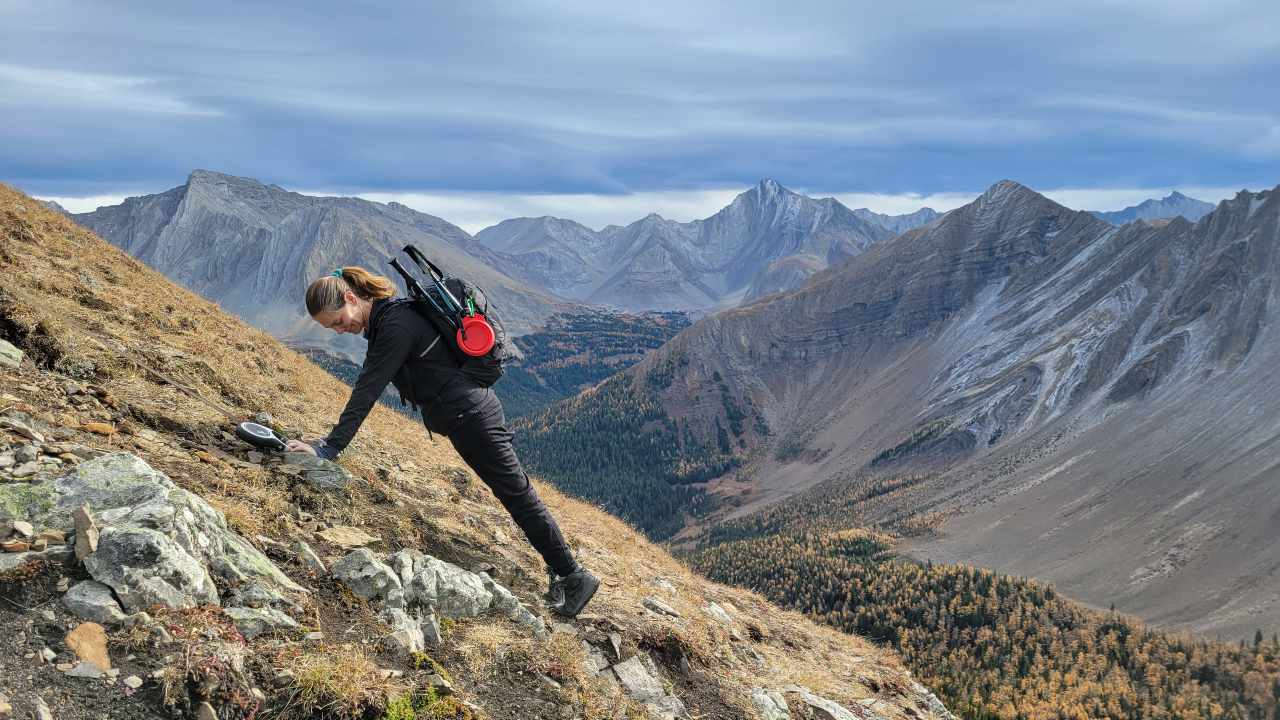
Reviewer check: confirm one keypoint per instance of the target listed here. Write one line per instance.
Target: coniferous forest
(994, 646)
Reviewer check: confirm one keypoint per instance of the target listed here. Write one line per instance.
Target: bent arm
(390, 350)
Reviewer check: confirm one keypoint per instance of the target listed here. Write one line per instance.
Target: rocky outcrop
(158, 543)
(415, 588)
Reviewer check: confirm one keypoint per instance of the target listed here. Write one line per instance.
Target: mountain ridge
(657, 263)
(253, 248)
(974, 350)
(1175, 204)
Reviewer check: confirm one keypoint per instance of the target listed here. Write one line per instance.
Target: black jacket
(407, 351)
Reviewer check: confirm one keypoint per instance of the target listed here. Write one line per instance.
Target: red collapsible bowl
(478, 338)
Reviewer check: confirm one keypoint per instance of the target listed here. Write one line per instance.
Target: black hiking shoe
(555, 591)
(569, 594)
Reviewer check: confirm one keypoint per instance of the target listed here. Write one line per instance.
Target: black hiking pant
(476, 426)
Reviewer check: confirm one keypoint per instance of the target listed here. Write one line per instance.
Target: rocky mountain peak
(1007, 191)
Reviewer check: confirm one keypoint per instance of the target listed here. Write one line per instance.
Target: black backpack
(446, 301)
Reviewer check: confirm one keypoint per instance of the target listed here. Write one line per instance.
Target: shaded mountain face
(767, 240)
(254, 248)
(898, 224)
(1083, 401)
(1173, 205)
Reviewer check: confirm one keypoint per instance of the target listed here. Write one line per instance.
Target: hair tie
(337, 273)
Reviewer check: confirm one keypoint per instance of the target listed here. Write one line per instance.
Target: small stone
(40, 545)
(258, 695)
(431, 630)
(138, 618)
(48, 616)
(26, 470)
(660, 607)
(85, 669)
(53, 536)
(63, 585)
(549, 681)
(133, 681)
(65, 666)
(309, 558)
(21, 428)
(439, 684)
(256, 457)
(348, 537)
(86, 533)
(205, 711)
(15, 546)
(99, 428)
(615, 643)
(6, 710)
(26, 454)
(264, 418)
(89, 642)
(7, 461)
(113, 673)
(23, 528)
(42, 710)
(314, 636)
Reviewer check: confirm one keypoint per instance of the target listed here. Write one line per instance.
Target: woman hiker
(405, 349)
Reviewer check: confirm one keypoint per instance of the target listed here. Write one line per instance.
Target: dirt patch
(26, 595)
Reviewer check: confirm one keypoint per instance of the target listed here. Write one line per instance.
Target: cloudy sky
(603, 112)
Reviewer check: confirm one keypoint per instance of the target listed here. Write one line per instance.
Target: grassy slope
(83, 309)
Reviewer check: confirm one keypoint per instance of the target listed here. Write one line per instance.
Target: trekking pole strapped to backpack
(459, 310)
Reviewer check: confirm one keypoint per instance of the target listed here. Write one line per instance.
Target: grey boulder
(158, 543)
(319, 473)
(252, 622)
(370, 578)
(772, 706)
(91, 600)
(10, 356)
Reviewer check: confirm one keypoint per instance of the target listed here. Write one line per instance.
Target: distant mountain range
(254, 248)
(1079, 402)
(767, 240)
(1172, 205)
(898, 224)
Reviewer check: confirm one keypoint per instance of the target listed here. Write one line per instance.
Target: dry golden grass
(337, 681)
(83, 308)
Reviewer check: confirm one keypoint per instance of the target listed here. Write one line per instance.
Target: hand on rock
(299, 446)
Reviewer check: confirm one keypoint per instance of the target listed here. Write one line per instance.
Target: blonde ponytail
(325, 294)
